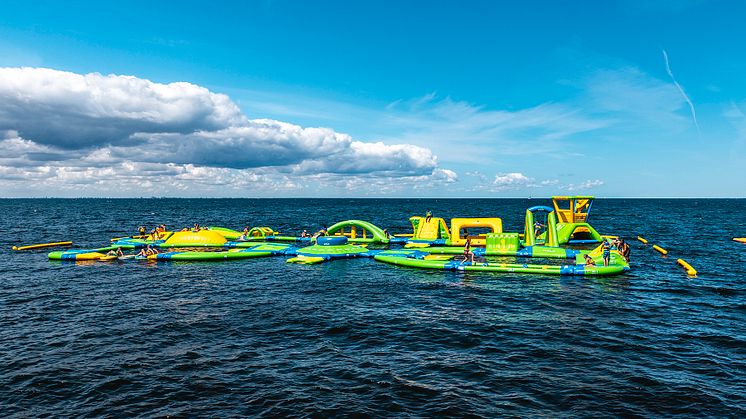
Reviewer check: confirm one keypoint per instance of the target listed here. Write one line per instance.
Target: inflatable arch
(551, 227)
(459, 224)
(261, 232)
(358, 231)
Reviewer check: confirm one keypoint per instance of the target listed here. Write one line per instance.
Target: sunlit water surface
(358, 337)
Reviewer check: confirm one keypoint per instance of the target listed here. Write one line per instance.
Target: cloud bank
(66, 130)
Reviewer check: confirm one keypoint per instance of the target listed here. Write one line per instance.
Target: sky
(373, 99)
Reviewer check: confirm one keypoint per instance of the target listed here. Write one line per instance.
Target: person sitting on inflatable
(589, 260)
(118, 253)
(150, 250)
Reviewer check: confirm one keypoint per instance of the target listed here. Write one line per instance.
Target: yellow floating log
(642, 240)
(689, 270)
(740, 239)
(660, 249)
(41, 245)
(416, 245)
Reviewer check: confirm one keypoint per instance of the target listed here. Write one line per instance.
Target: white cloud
(585, 185)
(71, 110)
(516, 181)
(512, 180)
(71, 130)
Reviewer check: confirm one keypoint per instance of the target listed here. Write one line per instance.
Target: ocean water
(356, 337)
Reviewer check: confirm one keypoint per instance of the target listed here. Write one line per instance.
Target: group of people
(155, 234)
(118, 252)
(147, 251)
(623, 247)
(618, 243)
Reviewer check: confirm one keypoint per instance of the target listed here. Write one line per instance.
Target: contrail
(681, 90)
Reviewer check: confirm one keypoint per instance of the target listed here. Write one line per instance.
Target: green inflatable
(358, 231)
(422, 260)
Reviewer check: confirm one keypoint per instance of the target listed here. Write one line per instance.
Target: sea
(261, 337)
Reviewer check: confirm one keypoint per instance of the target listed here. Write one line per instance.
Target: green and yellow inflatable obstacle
(509, 244)
(357, 231)
(572, 220)
(254, 234)
(84, 254)
(269, 234)
(423, 260)
(327, 248)
(228, 233)
(256, 250)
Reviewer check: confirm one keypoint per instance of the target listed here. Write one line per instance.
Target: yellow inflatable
(202, 238)
(459, 224)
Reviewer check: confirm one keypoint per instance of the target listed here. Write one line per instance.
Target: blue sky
(281, 98)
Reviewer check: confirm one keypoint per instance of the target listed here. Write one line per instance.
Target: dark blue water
(262, 337)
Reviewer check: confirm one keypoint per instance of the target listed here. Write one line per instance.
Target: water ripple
(356, 338)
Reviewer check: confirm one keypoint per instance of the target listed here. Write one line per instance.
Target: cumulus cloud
(512, 181)
(73, 129)
(585, 185)
(71, 110)
(516, 181)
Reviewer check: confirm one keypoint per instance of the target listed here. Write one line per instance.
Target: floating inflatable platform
(258, 250)
(418, 259)
(546, 252)
(83, 254)
(330, 247)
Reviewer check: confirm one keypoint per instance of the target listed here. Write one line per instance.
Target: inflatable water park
(557, 239)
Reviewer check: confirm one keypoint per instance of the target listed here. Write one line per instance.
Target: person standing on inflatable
(607, 252)
(468, 254)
